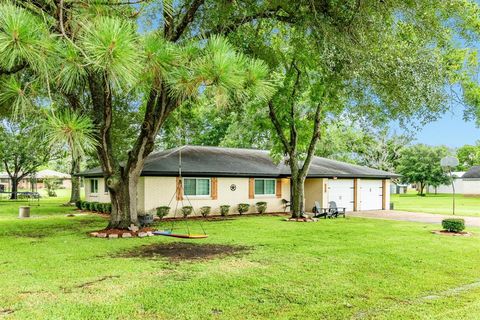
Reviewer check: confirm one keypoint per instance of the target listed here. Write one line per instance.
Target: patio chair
(319, 212)
(286, 204)
(336, 211)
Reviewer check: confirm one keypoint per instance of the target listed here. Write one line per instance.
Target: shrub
(163, 211)
(224, 209)
(261, 207)
(78, 204)
(108, 208)
(205, 211)
(186, 211)
(453, 225)
(84, 205)
(243, 207)
(102, 207)
(94, 206)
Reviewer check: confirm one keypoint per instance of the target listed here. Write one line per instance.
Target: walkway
(413, 217)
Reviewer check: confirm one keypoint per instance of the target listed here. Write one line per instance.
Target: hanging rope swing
(179, 195)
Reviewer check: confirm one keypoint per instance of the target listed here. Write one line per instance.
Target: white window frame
(105, 188)
(91, 191)
(265, 194)
(202, 196)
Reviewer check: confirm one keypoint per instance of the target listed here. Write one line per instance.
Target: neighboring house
(471, 181)
(398, 188)
(36, 181)
(447, 188)
(214, 176)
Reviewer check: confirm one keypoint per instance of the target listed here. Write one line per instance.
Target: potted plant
(186, 211)
(261, 207)
(205, 211)
(163, 211)
(243, 207)
(224, 209)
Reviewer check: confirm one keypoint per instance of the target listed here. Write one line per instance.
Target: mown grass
(334, 269)
(437, 203)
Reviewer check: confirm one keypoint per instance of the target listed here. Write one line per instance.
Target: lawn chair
(319, 212)
(286, 204)
(336, 211)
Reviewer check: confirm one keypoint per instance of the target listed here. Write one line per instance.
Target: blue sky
(451, 130)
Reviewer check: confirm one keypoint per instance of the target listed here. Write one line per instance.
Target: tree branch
(186, 20)
(313, 141)
(278, 127)
(13, 70)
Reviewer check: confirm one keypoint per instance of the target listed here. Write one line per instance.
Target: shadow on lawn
(180, 251)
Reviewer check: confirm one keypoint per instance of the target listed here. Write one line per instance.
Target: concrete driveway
(413, 217)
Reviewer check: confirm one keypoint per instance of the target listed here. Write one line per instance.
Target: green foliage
(163, 211)
(205, 211)
(51, 185)
(224, 209)
(468, 156)
(261, 207)
(421, 164)
(243, 207)
(78, 204)
(186, 211)
(84, 205)
(453, 225)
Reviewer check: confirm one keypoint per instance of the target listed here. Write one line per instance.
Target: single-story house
(36, 181)
(471, 181)
(214, 176)
(447, 188)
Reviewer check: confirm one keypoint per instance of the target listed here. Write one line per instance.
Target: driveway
(413, 217)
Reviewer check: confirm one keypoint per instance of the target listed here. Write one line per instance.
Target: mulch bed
(180, 251)
(454, 234)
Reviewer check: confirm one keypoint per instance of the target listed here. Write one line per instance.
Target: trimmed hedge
(243, 207)
(453, 225)
(205, 211)
(224, 210)
(78, 204)
(186, 211)
(261, 207)
(163, 211)
(94, 206)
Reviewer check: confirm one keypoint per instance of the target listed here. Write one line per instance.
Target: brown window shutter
(214, 188)
(279, 188)
(251, 188)
(179, 191)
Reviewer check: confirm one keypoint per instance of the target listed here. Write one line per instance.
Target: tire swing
(179, 195)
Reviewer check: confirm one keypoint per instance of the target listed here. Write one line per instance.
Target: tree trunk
(297, 207)
(74, 169)
(123, 195)
(14, 181)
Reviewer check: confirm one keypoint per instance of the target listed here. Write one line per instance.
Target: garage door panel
(341, 191)
(371, 194)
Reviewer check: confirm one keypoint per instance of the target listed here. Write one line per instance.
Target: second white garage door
(370, 194)
(341, 191)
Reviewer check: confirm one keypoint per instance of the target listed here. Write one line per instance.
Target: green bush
(224, 209)
(261, 207)
(84, 205)
(108, 208)
(94, 206)
(186, 211)
(102, 207)
(78, 204)
(205, 211)
(243, 207)
(453, 225)
(163, 211)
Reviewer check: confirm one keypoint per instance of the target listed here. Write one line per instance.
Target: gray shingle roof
(473, 173)
(232, 162)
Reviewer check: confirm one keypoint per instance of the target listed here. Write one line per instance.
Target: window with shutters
(265, 187)
(196, 187)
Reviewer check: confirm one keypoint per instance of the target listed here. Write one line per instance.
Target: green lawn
(437, 203)
(334, 269)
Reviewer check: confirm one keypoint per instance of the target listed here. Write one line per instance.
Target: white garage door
(370, 194)
(341, 191)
